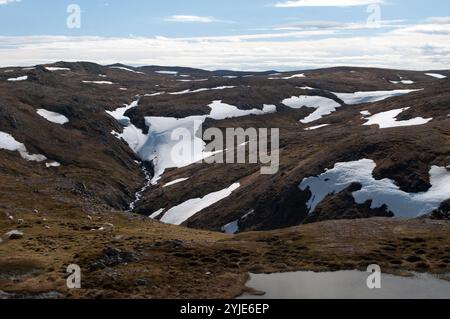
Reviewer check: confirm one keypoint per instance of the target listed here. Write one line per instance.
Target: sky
(228, 34)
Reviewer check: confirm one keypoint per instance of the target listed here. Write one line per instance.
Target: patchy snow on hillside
(202, 90)
(381, 192)
(155, 94)
(370, 96)
(55, 69)
(53, 116)
(389, 119)
(98, 82)
(437, 76)
(9, 143)
(52, 164)
(324, 106)
(157, 213)
(119, 114)
(295, 76)
(20, 78)
(167, 72)
(408, 82)
(177, 181)
(316, 127)
(165, 150)
(179, 214)
(125, 69)
(193, 80)
(221, 111)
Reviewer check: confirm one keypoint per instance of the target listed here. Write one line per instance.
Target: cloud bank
(424, 46)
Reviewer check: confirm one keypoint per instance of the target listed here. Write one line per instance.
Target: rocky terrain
(83, 165)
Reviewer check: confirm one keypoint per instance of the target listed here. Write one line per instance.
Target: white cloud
(325, 3)
(406, 48)
(190, 18)
(8, 1)
(338, 26)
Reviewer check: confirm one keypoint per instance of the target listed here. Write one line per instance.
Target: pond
(346, 285)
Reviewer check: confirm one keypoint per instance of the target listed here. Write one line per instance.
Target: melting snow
(54, 69)
(177, 181)
(221, 111)
(202, 90)
(179, 214)
(295, 76)
(231, 228)
(20, 78)
(155, 94)
(370, 96)
(402, 82)
(159, 146)
(119, 114)
(167, 72)
(157, 213)
(196, 80)
(125, 69)
(98, 82)
(7, 142)
(52, 164)
(324, 106)
(140, 193)
(316, 127)
(306, 88)
(388, 119)
(53, 116)
(381, 192)
(437, 76)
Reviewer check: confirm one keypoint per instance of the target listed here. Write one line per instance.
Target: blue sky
(321, 26)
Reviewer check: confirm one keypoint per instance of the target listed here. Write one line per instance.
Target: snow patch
(316, 127)
(324, 106)
(125, 69)
(20, 78)
(53, 116)
(381, 192)
(179, 214)
(231, 228)
(408, 82)
(52, 164)
(202, 90)
(437, 76)
(221, 111)
(167, 72)
(177, 181)
(370, 96)
(158, 145)
(7, 142)
(388, 119)
(54, 69)
(98, 82)
(295, 76)
(157, 213)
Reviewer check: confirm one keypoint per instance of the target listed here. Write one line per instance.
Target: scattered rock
(14, 234)
(112, 257)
